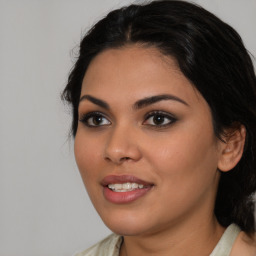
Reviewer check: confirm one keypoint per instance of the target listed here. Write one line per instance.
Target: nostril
(120, 159)
(125, 158)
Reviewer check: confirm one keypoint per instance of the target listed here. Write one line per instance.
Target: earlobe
(232, 149)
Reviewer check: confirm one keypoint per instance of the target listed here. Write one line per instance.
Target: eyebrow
(138, 104)
(96, 101)
(153, 99)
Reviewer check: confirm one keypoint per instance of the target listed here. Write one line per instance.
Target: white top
(224, 246)
(110, 246)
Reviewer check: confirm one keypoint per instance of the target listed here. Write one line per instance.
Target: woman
(164, 121)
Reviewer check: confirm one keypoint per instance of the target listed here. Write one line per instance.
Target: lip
(116, 179)
(124, 197)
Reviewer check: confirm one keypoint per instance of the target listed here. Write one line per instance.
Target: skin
(180, 158)
(244, 245)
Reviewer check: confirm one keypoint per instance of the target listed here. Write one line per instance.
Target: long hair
(212, 56)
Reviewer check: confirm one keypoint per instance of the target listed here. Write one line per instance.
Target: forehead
(136, 72)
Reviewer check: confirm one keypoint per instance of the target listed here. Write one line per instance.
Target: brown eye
(94, 120)
(159, 119)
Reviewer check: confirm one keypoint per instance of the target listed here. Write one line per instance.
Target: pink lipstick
(124, 189)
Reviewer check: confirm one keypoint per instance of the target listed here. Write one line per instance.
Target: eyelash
(85, 119)
(162, 114)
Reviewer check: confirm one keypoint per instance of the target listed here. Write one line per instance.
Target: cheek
(87, 157)
(187, 175)
(187, 159)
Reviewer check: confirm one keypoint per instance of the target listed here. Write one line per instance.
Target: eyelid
(167, 115)
(86, 116)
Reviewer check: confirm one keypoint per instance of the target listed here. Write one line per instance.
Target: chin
(127, 230)
(126, 225)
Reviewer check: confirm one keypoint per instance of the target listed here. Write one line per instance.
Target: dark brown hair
(212, 56)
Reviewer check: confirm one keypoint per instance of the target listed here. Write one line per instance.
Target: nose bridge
(122, 145)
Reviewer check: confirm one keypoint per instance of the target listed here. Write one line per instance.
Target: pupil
(158, 119)
(97, 120)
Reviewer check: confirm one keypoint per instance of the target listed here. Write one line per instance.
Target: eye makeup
(159, 119)
(94, 119)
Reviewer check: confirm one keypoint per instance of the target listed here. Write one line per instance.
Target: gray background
(44, 209)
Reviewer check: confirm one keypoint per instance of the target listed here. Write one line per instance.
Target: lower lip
(124, 197)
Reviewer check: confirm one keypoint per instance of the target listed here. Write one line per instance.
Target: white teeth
(125, 187)
(135, 185)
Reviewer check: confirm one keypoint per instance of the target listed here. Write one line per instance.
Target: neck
(197, 238)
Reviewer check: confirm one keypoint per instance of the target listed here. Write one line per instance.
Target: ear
(232, 149)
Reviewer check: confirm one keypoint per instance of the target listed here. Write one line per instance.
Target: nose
(122, 146)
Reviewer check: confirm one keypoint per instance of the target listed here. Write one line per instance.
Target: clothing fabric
(225, 244)
(110, 246)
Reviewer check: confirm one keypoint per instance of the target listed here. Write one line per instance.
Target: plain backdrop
(44, 208)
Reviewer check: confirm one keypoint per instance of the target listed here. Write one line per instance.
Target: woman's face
(145, 144)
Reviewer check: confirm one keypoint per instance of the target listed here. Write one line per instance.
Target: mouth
(124, 189)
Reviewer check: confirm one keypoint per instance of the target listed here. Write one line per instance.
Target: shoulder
(244, 245)
(108, 247)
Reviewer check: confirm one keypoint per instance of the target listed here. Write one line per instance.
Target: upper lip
(120, 179)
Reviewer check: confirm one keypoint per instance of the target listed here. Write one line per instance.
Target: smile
(124, 189)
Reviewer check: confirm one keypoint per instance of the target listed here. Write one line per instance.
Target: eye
(159, 119)
(94, 119)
